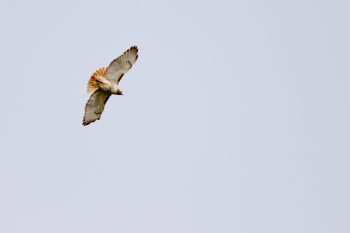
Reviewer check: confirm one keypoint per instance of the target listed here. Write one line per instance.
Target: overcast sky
(235, 118)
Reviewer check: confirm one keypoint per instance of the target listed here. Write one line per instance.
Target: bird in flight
(104, 82)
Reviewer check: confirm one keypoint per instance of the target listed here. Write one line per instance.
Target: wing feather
(121, 65)
(95, 106)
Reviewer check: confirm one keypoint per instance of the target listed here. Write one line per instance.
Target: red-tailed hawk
(104, 82)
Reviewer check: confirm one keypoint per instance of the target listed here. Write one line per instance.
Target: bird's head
(115, 90)
(119, 92)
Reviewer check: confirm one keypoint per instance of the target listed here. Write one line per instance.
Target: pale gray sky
(235, 118)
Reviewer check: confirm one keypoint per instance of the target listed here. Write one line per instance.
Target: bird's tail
(92, 83)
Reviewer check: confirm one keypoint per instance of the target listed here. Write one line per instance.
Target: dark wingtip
(134, 47)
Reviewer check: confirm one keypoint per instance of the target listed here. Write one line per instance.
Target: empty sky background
(235, 117)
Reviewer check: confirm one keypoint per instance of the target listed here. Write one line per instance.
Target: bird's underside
(104, 83)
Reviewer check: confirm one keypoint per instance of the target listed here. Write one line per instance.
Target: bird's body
(104, 83)
(107, 86)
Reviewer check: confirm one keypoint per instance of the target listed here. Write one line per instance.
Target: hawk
(104, 82)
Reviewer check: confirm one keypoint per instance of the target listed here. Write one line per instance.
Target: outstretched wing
(94, 106)
(121, 65)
